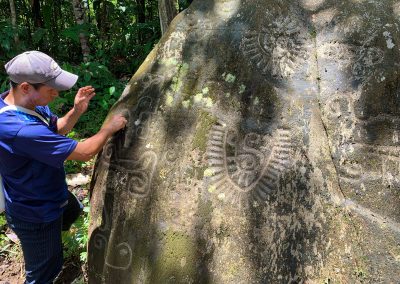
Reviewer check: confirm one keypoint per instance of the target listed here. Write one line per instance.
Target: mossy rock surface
(262, 147)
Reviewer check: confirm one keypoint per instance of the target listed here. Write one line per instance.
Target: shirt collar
(3, 95)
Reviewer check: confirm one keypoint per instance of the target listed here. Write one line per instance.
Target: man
(32, 152)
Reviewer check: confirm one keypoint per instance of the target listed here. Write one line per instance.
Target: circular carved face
(247, 163)
(244, 167)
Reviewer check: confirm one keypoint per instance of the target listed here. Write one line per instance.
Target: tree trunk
(141, 11)
(37, 19)
(140, 19)
(14, 20)
(167, 11)
(100, 10)
(150, 8)
(26, 17)
(79, 13)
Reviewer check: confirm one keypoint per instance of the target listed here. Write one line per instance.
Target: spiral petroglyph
(134, 176)
(133, 172)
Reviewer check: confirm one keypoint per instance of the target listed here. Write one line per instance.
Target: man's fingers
(86, 90)
(117, 122)
(89, 91)
(86, 94)
(91, 95)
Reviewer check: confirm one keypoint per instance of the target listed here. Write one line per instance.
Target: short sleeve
(40, 143)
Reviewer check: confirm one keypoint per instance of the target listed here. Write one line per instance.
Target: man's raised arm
(81, 102)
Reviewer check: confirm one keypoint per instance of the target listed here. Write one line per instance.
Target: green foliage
(108, 90)
(183, 4)
(120, 35)
(75, 240)
(7, 38)
(4, 242)
(7, 49)
(71, 166)
(74, 31)
(74, 167)
(3, 222)
(3, 238)
(6, 245)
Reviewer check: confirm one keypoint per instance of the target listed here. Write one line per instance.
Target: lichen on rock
(262, 147)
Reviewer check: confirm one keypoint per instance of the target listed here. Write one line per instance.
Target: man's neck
(8, 99)
(17, 99)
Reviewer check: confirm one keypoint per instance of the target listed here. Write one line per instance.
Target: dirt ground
(12, 271)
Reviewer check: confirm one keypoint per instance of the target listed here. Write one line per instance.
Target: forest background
(102, 41)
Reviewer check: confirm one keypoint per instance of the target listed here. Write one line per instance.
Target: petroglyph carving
(100, 241)
(261, 202)
(278, 48)
(141, 119)
(367, 158)
(101, 233)
(337, 106)
(386, 159)
(356, 140)
(352, 56)
(123, 259)
(139, 128)
(173, 46)
(172, 153)
(134, 175)
(248, 166)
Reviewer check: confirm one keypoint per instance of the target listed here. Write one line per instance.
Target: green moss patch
(205, 122)
(176, 259)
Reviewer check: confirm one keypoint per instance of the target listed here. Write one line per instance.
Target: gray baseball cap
(37, 67)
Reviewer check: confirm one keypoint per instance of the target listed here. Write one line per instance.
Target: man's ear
(25, 87)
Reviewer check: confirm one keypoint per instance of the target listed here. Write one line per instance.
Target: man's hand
(82, 98)
(115, 123)
(85, 150)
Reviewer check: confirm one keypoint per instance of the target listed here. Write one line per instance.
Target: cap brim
(63, 82)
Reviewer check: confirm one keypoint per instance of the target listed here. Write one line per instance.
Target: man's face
(43, 95)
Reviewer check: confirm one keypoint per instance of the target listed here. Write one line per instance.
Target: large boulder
(262, 147)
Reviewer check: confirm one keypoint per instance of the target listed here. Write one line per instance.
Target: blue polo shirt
(32, 157)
